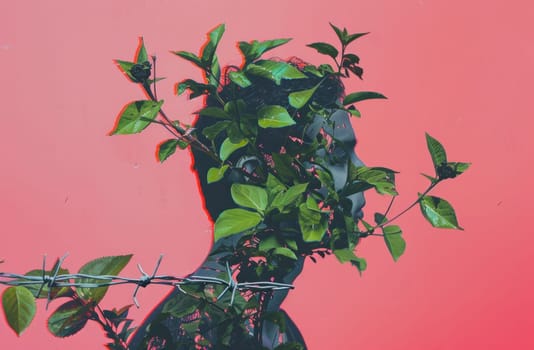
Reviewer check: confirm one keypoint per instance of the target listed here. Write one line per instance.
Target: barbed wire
(57, 280)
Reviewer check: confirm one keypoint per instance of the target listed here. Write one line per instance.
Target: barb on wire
(58, 280)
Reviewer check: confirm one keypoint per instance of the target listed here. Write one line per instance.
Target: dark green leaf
(214, 112)
(56, 292)
(68, 319)
(239, 78)
(325, 49)
(108, 265)
(394, 241)
(216, 174)
(274, 117)
(361, 96)
(181, 305)
(191, 57)
(233, 221)
(339, 33)
(458, 167)
(380, 219)
(298, 99)
(437, 152)
(274, 70)
(283, 164)
(351, 37)
(228, 147)
(167, 148)
(197, 89)
(439, 212)
(249, 196)
(136, 117)
(347, 255)
(19, 308)
(213, 130)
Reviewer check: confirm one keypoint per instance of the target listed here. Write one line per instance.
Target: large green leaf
(274, 117)
(347, 255)
(136, 117)
(215, 129)
(361, 96)
(382, 179)
(141, 55)
(240, 78)
(437, 152)
(394, 241)
(108, 265)
(274, 70)
(19, 308)
(298, 99)
(249, 196)
(214, 112)
(216, 174)
(181, 305)
(228, 147)
(233, 221)
(439, 212)
(288, 253)
(325, 49)
(68, 319)
(285, 198)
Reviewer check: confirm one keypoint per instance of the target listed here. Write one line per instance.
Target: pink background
(460, 70)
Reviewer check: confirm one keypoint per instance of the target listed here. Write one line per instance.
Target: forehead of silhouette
(264, 92)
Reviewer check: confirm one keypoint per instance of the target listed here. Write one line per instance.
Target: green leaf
(298, 99)
(240, 78)
(228, 147)
(136, 117)
(214, 112)
(216, 174)
(19, 308)
(141, 55)
(167, 149)
(108, 265)
(350, 38)
(249, 196)
(439, 212)
(68, 319)
(268, 243)
(285, 198)
(394, 241)
(253, 50)
(274, 70)
(213, 130)
(288, 253)
(325, 49)
(180, 305)
(126, 66)
(312, 224)
(274, 117)
(459, 167)
(233, 221)
(437, 152)
(347, 255)
(191, 57)
(382, 179)
(361, 96)
(56, 292)
(197, 89)
(339, 33)
(216, 34)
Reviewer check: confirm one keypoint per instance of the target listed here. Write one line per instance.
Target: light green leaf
(253, 50)
(268, 243)
(288, 253)
(361, 96)
(19, 308)
(141, 55)
(382, 179)
(228, 147)
(216, 174)
(249, 196)
(439, 212)
(347, 255)
(68, 319)
(459, 167)
(274, 117)
(216, 34)
(274, 70)
(240, 78)
(437, 152)
(285, 198)
(394, 241)
(325, 49)
(108, 265)
(312, 224)
(136, 117)
(233, 221)
(298, 99)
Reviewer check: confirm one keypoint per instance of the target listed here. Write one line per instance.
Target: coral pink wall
(461, 70)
